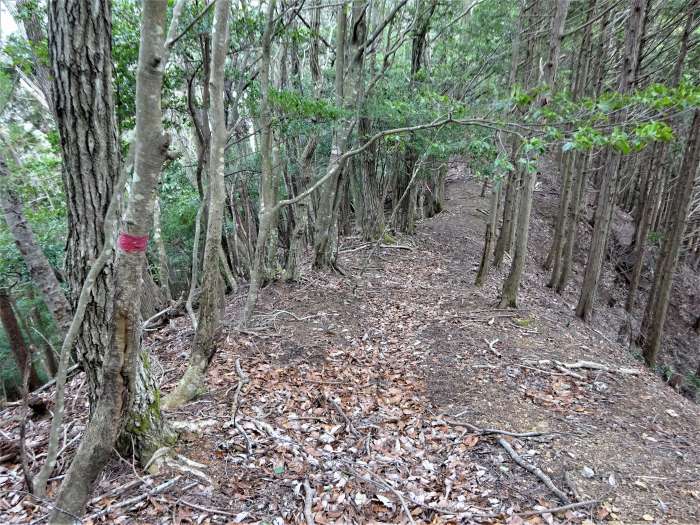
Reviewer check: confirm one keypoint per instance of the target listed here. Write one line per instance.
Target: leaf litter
(366, 402)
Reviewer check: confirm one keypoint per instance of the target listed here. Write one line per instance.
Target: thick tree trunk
(298, 241)
(40, 270)
(372, 217)
(80, 46)
(128, 399)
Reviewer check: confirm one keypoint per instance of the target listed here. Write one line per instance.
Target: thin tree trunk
(485, 264)
(20, 351)
(606, 195)
(326, 231)
(163, 268)
(212, 295)
(657, 307)
(529, 176)
(267, 204)
(578, 202)
(127, 387)
(40, 269)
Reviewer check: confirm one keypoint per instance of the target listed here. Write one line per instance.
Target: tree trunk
(554, 256)
(505, 236)
(606, 195)
(212, 296)
(485, 264)
(163, 268)
(129, 399)
(40, 270)
(20, 350)
(529, 176)
(80, 46)
(578, 202)
(668, 259)
(511, 285)
(326, 231)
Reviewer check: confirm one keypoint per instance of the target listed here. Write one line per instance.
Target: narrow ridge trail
(361, 386)
(389, 395)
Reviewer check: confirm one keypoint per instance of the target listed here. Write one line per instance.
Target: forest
(350, 261)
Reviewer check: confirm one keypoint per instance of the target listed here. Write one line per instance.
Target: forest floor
(366, 397)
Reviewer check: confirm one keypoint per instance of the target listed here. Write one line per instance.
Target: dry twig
(492, 431)
(492, 344)
(308, 500)
(534, 470)
(349, 427)
(136, 499)
(554, 510)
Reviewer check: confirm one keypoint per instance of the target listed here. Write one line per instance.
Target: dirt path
(356, 375)
(360, 386)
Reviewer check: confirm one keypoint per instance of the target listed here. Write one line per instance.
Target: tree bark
(529, 177)
(129, 400)
(212, 295)
(485, 264)
(606, 196)
(657, 306)
(80, 46)
(163, 267)
(326, 231)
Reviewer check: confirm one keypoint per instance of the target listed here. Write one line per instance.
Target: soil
(359, 391)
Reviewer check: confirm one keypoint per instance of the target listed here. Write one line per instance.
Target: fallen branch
(136, 499)
(210, 510)
(349, 427)
(308, 500)
(597, 366)
(534, 470)
(565, 371)
(492, 431)
(243, 380)
(491, 347)
(397, 247)
(170, 309)
(52, 382)
(119, 490)
(296, 317)
(588, 365)
(559, 509)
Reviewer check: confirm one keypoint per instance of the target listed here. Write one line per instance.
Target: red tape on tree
(132, 243)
